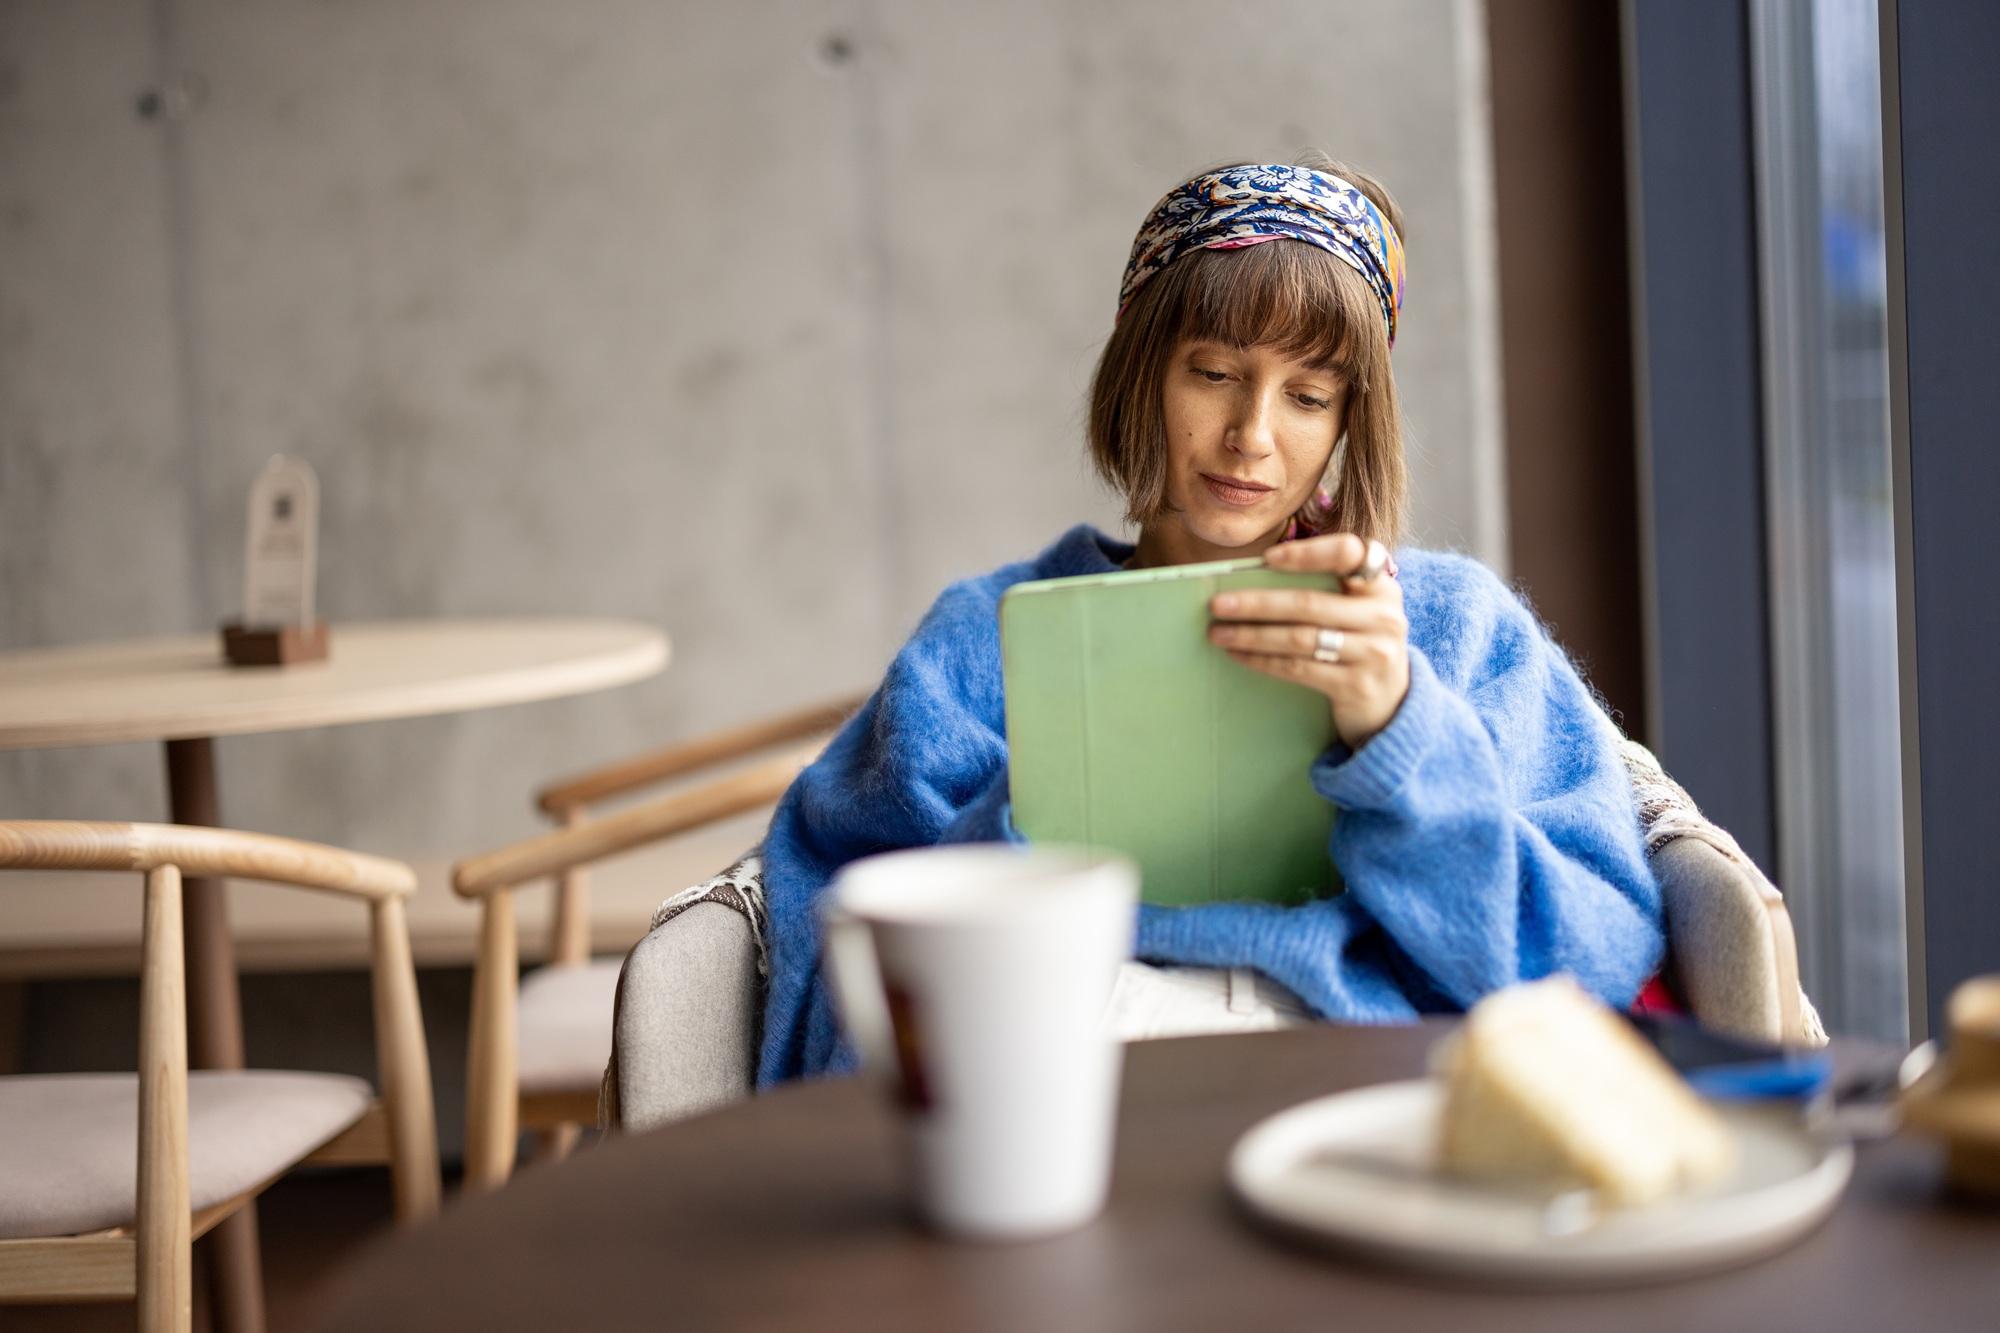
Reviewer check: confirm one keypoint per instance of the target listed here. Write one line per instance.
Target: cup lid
(983, 882)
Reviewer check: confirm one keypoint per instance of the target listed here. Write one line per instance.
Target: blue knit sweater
(1487, 834)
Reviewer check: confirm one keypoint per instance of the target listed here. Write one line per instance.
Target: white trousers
(1154, 1001)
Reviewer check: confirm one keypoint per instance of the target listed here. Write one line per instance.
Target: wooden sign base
(284, 645)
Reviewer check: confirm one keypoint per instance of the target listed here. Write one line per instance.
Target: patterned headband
(1248, 205)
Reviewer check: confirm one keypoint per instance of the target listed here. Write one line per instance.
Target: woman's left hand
(1279, 630)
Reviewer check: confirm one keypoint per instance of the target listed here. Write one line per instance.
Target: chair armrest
(58, 844)
(566, 849)
(685, 1033)
(559, 798)
(492, 1094)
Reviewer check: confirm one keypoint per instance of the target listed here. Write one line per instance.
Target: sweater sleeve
(989, 817)
(923, 762)
(1485, 836)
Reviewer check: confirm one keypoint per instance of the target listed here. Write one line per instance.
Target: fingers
(1321, 676)
(1381, 612)
(1340, 553)
(1335, 553)
(1272, 640)
(1298, 642)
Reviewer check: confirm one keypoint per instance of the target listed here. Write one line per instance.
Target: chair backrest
(1730, 945)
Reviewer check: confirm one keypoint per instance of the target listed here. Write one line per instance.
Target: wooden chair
(539, 1043)
(79, 1220)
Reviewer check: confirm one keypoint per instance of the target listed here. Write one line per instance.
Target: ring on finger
(1327, 649)
(1374, 559)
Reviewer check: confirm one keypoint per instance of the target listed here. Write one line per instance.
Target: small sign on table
(280, 562)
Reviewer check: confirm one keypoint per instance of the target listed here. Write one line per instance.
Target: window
(1816, 106)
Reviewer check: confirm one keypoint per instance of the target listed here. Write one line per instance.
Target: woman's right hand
(1352, 646)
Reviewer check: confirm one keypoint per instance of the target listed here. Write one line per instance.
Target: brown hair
(1286, 295)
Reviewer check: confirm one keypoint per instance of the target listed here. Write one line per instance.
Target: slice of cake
(1544, 1083)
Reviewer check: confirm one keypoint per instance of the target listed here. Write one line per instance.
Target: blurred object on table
(1957, 1099)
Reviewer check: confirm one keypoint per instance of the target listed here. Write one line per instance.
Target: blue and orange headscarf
(1248, 205)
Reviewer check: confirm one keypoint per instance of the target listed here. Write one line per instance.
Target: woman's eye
(1212, 376)
(1316, 404)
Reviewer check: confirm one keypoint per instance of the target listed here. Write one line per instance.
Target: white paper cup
(976, 978)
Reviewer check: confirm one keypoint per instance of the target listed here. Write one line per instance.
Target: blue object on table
(1799, 1076)
(1730, 1068)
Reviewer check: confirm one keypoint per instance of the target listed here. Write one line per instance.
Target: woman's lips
(1241, 494)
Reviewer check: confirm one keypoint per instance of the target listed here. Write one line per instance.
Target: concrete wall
(759, 321)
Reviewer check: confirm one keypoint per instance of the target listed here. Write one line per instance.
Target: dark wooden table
(786, 1212)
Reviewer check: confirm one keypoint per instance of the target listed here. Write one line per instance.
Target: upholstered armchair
(684, 1007)
(689, 998)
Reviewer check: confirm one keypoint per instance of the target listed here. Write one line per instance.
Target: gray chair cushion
(1733, 968)
(686, 1027)
(69, 1153)
(564, 1020)
(1729, 939)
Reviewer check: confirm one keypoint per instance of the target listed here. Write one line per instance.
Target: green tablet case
(1127, 729)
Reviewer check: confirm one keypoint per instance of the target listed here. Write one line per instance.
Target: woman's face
(1249, 436)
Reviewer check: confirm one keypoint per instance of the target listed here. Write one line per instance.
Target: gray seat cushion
(69, 1153)
(564, 1019)
(688, 1008)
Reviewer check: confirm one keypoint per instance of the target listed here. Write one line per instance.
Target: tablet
(1127, 729)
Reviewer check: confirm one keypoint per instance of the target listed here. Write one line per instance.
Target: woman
(1245, 405)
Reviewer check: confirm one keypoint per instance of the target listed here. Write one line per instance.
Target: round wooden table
(786, 1212)
(180, 691)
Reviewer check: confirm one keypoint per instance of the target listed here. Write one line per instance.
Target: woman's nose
(1251, 433)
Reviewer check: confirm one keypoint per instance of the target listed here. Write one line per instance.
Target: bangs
(1285, 295)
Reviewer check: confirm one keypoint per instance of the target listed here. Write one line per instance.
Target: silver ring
(1328, 650)
(1373, 561)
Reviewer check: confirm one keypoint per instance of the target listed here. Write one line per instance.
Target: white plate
(1313, 1170)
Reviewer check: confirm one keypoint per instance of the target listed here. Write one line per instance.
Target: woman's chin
(1231, 532)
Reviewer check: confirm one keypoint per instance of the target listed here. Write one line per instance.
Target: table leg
(13, 1025)
(234, 1269)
